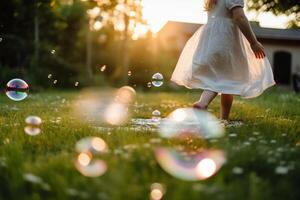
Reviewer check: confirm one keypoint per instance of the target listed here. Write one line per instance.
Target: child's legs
(226, 103)
(206, 98)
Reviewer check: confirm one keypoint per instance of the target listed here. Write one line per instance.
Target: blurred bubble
(125, 95)
(237, 170)
(88, 161)
(49, 76)
(156, 115)
(103, 68)
(55, 82)
(76, 84)
(129, 73)
(157, 80)
(157, 191)
(109, 107)
(191, 122)
(102, 38)
(33, 124)
(97, 25)
(53, 51)
(17, 89)
(149, 84)
(190, 167)
(116, 114)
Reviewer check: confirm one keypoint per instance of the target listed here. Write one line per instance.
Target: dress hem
(224, 91)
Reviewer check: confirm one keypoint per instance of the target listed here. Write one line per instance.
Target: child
(224, 57)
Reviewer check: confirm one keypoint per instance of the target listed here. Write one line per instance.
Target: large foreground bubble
(88, 161)
(17, 89)
(190, 167)
(191, 122)
(190, 162)
(33, 124)
(105, 107)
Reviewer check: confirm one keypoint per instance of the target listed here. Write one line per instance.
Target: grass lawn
(264, 148)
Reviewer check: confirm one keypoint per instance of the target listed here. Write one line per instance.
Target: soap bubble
(106, 107)
(103, 68)
(88, 161)
(125, 95)
(149, 84)
(189, 162)
(129, 73)
(33, 124)
(116, 114)
(102, 38)
(55, 82)
(191, 122)
(190, 167)
(76, 84)
(157, 191)
(157, 80)
(53, 51)
(49, 76)
(156, 115)
(17, 89)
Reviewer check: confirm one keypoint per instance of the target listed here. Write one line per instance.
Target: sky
(158, 12)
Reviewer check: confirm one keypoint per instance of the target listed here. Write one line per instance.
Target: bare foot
(197, 105)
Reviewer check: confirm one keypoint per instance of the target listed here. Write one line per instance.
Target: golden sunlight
(158, 13)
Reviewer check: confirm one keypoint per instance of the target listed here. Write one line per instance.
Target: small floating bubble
(237, 170)
(282, 170)
(149, 84)
(49, 76)
(157, 80)
(103, 68)
(17, 89)
(55, 82)
(156, 115)
(32, 127)
(157, 191)
(76, 84)
(129, 73)
(53, 51)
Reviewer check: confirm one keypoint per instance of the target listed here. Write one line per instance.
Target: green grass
(267, 140)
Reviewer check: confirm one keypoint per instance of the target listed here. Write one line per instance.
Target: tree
(125, 16)
(277, 7)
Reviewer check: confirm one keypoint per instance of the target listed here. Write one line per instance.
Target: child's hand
(258, 50)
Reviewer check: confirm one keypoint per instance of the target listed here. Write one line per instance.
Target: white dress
(219, 58)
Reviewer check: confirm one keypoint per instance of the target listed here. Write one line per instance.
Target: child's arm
(241, 20)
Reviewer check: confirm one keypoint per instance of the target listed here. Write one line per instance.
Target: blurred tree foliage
(277, 7)
(66, 37)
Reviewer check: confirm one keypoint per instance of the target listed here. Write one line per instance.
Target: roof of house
(261, 32)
